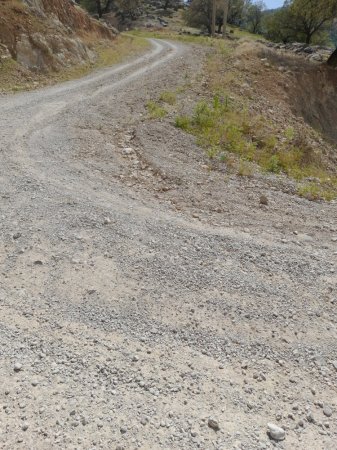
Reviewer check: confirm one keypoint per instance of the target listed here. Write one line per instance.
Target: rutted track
(133, 321)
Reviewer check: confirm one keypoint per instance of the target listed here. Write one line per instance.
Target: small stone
(38, 262)
(143, 421)
(263, 200)
(123, 430)
(127, 151)
(212, 423)
(16, 236)
(310, 417)
(276, 433)
(25, 426)
(107, 220)
(17, 367)
(327, 411)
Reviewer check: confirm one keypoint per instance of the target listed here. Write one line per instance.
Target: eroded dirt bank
(141, 295)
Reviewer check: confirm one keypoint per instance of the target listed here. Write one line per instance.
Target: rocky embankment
(44, 35)
(312, 52)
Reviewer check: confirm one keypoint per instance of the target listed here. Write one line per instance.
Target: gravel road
(145, 302)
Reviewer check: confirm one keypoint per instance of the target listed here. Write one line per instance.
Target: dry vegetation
(120, 49)
(248, 120)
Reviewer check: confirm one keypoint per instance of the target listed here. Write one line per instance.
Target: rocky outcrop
(44, 35)
(314, 53)
(38, 51)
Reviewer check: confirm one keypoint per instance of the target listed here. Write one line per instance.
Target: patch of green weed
(182, 122)
(221, 127)
(155, 110)
(168, 97)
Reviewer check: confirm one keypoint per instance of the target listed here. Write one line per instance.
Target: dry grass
(122, 48)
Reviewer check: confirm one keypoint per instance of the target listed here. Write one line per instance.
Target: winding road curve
(127, 323)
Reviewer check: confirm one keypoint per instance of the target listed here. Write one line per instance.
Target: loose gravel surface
(145, 302)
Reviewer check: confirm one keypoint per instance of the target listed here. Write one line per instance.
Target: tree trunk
(308, 38)
(332, 61)
(225, 17)
(213, 17)
(99, 8)
(108, 6)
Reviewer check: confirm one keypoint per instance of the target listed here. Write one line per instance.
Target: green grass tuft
(168, 97)
(182, 122)
(156, 111)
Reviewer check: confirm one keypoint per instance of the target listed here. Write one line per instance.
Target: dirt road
(141, 294)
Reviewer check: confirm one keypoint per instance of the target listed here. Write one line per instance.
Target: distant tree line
(242, 13)
(302, 21)
(309, 21)
(297, 20)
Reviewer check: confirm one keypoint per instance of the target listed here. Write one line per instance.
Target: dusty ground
(140, 294)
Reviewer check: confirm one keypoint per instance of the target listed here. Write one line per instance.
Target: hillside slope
(44, 35)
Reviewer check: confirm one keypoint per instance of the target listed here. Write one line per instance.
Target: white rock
(275, 432)
(17, 367)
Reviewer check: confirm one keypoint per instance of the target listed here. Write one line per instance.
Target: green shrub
(274, 164)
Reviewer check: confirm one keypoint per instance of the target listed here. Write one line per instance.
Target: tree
(311, 15)
(332, 61)
(299, 20)
(225, 16)
(254, 16)
(127, 10)
(100, 7)
(279, 26)
(199, 13)
(237, 10)
(173, 4)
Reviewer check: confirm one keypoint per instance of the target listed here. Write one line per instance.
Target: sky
(273, 3)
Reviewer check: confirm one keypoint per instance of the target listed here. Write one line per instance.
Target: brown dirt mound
(315, 99)
(311, 90)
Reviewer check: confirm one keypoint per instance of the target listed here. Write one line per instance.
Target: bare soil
(141, 294)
